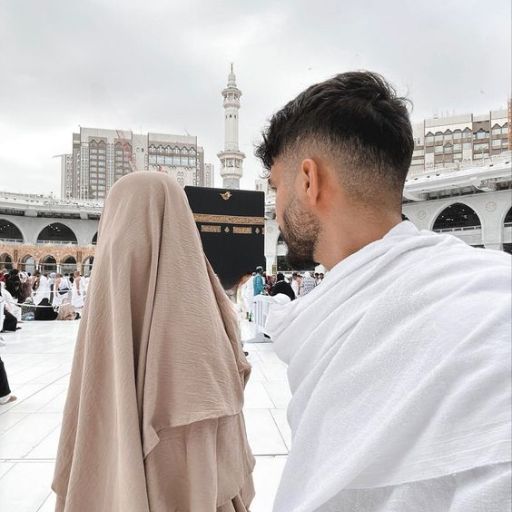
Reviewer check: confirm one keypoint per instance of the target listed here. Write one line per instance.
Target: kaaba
(232, 228)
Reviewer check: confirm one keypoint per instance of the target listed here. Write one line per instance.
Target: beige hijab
(153, 419)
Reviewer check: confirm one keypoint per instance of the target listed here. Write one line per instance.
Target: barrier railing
(262, 304)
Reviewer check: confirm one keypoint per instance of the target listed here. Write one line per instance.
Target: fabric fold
(392, 387)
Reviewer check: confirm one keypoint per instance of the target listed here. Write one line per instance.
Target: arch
(456, 216)
(9, 232)
(507, 221)
(68, 264)
(48, 264)
(87, 265)
(28, 263)
(6, 261)
(95, 239)
(57, 233)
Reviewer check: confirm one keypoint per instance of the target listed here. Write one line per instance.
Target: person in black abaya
(282, 286)
(5, 391)
(45, 311)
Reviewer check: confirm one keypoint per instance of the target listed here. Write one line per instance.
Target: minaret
(231, 157)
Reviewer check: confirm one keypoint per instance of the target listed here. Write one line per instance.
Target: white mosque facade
(472, 201)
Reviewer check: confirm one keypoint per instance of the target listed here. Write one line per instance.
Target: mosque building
(459, 182)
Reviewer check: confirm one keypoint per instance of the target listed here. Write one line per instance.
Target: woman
(153, 420)
(6, 397)
(11, 308)
(282, 286)
(13, 284)
(45, 311)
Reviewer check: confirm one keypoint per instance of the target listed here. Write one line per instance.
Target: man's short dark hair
(357, 118)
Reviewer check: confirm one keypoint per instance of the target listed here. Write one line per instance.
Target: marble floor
(38, 360)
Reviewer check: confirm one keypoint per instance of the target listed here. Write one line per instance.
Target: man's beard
(300, 231)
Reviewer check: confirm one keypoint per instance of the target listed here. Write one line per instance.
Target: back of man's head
(357, 121)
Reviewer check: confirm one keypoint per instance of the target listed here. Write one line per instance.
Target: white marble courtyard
(38, 360)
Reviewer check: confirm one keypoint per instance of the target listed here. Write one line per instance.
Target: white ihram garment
(401, 382)
(43, 290)
(77, 294)
(10, 302)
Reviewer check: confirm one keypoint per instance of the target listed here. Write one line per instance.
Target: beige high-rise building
(446, 141)
(100, 157)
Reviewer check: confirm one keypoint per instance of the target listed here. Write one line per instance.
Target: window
(496, 129)
(439, 149)
(457, 147)
(429, 138)
(448, 136)
(438, 137)
(468, 134)
(457, 135)
(504, 129)
(481, 134)
(496, 143)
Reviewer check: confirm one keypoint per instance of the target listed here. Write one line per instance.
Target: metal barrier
(262, 304)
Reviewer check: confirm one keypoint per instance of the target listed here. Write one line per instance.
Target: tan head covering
(153, 416)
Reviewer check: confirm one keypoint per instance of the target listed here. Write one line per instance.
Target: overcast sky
(159, 66)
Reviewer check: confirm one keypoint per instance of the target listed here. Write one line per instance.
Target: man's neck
(339, 242)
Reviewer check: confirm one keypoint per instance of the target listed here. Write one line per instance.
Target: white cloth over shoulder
(43, 290)
(403, 377)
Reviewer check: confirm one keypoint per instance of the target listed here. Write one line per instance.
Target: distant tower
(231, 158)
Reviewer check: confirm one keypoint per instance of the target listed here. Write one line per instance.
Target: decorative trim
(243, 231)
(210, 229)
(229, 219)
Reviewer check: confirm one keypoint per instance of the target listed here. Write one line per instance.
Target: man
(401, 385)
(308, 284)
(258, 282)
(295, 284)
(282, 286)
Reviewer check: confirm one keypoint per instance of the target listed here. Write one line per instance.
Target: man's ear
(309, 181)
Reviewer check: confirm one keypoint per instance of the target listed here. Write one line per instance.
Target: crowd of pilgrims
(41, 296)
(259, 283)
(56, 296)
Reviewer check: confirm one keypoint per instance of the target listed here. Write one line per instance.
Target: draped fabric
(399, 367)
(153, 419)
